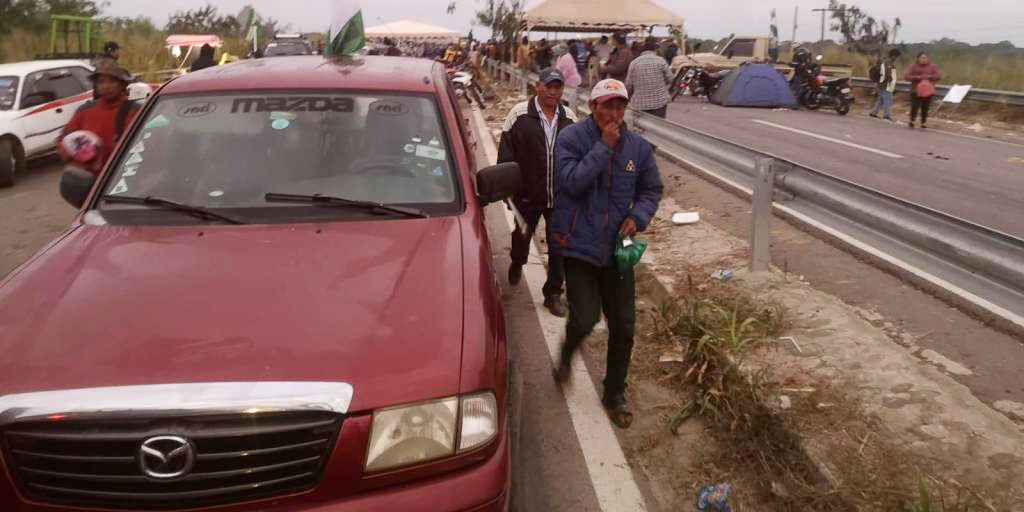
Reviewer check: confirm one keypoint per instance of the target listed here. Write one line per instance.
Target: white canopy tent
(414, 29)
(599, 16)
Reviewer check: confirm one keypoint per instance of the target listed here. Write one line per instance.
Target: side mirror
(75, 185)
(728, 54)
(497, 182)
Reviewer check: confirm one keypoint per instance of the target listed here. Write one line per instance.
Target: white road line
(939, 129)
(830, 139)
(975, 137)
(610, 474)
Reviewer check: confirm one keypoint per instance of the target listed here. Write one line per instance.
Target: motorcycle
(696, 81)
(465, 84)
(815, 90)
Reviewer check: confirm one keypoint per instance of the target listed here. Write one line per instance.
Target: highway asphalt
(974, 178)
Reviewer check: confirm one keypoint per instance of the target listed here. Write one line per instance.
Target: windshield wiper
(341, 201)
(195, 211)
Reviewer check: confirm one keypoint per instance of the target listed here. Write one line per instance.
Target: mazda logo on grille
(164, 457)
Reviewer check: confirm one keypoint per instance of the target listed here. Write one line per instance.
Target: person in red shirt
(107, 117)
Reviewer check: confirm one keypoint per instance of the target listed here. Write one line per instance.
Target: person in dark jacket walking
(922, 75)
(886, 85)
(618, 63)
(205, 59)
(528, 138)
(608, 189)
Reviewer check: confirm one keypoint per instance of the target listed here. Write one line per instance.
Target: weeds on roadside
(715, 328)
(929, 501)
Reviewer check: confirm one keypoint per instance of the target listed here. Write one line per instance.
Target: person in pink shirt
(567, 65)
(922, 75)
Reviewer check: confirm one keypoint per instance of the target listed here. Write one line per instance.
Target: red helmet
(82, 145)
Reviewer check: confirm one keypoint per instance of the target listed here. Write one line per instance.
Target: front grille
(238, 457)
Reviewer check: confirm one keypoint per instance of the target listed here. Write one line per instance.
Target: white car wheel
(11, 162)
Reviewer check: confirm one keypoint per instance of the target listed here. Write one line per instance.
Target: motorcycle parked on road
(815, 90)
(695, 81)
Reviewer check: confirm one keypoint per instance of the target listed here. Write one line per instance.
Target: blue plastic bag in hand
(715, 498)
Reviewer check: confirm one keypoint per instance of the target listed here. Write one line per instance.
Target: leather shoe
(515, 274)
(556, 306)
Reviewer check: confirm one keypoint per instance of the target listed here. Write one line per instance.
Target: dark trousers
(922, 104)
(521, 249)
(660, 112)
(591, 290)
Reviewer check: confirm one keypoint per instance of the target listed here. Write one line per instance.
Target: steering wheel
(388, 166)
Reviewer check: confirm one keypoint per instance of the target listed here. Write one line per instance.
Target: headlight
(479, 420)
(417, 433)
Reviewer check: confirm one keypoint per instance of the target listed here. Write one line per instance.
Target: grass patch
(712, 329)
(808, 458)
(999, 72)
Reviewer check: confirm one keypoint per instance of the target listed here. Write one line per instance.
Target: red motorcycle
(816, 90)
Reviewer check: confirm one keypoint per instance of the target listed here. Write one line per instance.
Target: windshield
(8, 91)
(287, 48)
(228, 151)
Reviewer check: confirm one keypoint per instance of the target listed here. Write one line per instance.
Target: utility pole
(823, 11)
(792, 41)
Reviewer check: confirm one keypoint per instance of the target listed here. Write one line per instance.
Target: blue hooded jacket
(598, 188)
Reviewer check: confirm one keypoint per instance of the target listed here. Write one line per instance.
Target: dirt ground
(31, 213)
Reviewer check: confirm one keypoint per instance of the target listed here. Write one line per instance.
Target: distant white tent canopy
(412, 29)
(599, 16)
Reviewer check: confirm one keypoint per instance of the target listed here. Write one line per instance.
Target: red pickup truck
(278, 296)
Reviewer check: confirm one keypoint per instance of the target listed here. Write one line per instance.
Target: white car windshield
(227, 151)
(280, 48)
(8, 92)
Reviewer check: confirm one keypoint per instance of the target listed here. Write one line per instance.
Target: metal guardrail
(979, 95)
(983, 266)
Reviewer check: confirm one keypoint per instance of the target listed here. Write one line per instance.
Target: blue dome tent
(754, 85)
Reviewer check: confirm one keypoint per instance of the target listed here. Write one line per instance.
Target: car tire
(12, 161)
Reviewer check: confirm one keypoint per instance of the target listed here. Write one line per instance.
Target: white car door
(48, 100)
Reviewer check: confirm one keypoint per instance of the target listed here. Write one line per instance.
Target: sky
(980, 21)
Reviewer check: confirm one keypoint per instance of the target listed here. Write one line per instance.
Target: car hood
(7, 116)
(375, 304)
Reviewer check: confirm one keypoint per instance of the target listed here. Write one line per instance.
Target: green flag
(247, 22)
(346, 34)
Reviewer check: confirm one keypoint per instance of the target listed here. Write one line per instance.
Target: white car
(37, 99)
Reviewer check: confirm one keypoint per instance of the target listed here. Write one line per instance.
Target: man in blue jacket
(608, 189)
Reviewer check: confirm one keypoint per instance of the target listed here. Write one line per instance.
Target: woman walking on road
(922, 75)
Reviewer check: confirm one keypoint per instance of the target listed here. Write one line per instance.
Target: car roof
(32, 66)
(404, 74)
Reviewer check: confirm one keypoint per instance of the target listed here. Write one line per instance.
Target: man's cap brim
(610, 96)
